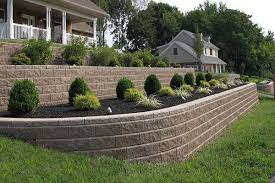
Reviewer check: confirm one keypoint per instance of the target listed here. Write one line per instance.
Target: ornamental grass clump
(202, 90)
(152, 85)
(205, 84)
(187, 88)
(149, 102)
(86, 102)
(176, 82)
(21, 59)
(122, 86)
(214, 83)
(78, 87)
(23, 97)
(183, 94)
(133, 95)
(189, 79)
(166, 91)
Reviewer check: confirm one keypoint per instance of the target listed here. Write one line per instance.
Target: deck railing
(28, 32)
(90, 41)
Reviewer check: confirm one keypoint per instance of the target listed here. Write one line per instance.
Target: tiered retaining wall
(53, 81)
(160, 136)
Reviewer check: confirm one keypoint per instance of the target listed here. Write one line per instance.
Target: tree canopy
(242, 43)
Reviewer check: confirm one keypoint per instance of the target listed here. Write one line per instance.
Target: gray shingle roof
(212, 60)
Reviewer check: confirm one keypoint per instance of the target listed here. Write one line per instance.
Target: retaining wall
(160, 136)
(53, 81)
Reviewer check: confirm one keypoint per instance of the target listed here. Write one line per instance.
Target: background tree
(198, 46)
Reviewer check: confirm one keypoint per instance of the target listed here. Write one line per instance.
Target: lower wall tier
(160, 136)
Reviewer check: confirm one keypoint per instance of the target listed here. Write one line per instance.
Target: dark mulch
(118, 107)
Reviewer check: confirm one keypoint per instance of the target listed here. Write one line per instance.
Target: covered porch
(44, 19)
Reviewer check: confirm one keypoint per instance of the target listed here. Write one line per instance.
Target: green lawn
(243, 154)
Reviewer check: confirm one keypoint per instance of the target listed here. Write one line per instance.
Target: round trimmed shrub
(177, 81)
(152, 85)
(137, 63)
(23, 97)
(208, 77)
(199, 78)
(189, 79)
(133, 95)
(86, 102)
(78, 87)
(122, 86)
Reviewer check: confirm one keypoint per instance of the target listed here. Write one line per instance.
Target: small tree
(198, 46)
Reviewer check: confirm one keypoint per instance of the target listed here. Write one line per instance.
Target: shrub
(176, 81)
(38, 51)
(23, 97)
(149, 102)
(21, 59)
(187, 88)
(208, 77)
(199, 78)
(244, 78)
(78, 87)
(122, 86)
(152, 85)
(145, 56)
(114, 62)
(75, 52)
(86, 102)
(166, 91)
(155, 60)
(127, 59)
(183, 94)
(202, 90)
(161, 64)
(137, 63)
(102, 56)
(189, 79)
(205, 84)
(214, 82)
(133, 95)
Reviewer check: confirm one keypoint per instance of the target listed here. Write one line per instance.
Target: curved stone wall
(159, 136)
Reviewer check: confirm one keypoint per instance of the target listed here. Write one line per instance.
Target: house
(56, 20)
(181, 51)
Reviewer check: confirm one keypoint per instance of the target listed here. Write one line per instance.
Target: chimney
(208, 39)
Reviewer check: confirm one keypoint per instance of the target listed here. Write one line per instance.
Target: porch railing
(28, 32)
(90, 41)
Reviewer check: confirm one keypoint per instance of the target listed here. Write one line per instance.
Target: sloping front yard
(244, 154)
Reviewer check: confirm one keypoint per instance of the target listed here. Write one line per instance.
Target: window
(2, 15)
(211, 52)
(205, 51)
(175, 50)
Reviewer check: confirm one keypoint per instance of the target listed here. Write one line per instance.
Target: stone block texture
(53, 81)
(160, 136)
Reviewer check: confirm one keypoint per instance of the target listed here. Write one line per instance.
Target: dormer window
(211, 51)
(175, 51)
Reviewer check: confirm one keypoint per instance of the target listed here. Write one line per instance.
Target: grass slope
(243, 154)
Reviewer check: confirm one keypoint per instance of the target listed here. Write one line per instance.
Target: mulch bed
(117, 106)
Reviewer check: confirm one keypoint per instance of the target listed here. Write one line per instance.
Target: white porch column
(64, 27)
(220, 68)
(10, 28)
(48, 24)
(217, 70)
(95, 31)
(212, 68)
(223, 68)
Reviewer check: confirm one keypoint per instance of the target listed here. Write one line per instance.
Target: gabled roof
(184, 46)
(191, 35)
